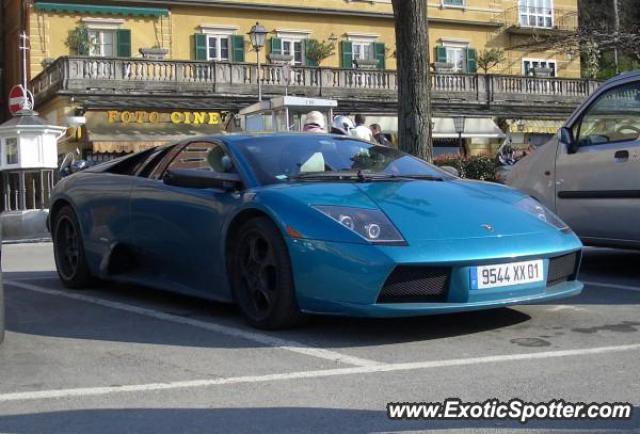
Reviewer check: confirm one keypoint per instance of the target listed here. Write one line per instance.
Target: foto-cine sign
(177, 117)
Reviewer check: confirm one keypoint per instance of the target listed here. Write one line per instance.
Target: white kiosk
(284, 113)
(28, 160)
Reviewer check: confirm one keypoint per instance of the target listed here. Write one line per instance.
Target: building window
(293, 48)
(453, 3)
(536, 13)
(218, 48)
(11, 145)
(532, 67)
(103, 43)
(456, 55)
(362, 50)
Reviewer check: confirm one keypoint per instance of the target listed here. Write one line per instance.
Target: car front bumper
(347, 279)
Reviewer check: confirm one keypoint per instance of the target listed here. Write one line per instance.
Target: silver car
(590, 172)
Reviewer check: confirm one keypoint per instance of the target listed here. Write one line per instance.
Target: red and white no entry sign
(19, 99)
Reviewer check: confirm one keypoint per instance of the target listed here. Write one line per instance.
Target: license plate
(513, 273)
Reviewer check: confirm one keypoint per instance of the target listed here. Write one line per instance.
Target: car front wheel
(68, 250)
(262, 278)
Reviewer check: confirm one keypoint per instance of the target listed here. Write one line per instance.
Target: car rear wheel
(68, 249)
(262, 278)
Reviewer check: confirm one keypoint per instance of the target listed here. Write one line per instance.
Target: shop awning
(90, 9)
(444, 128)
(534, 126)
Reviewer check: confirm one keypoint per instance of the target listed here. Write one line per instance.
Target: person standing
(376, 130)
(362, 131)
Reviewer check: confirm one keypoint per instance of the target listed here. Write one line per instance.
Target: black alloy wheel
(261, 276)
(68, 250)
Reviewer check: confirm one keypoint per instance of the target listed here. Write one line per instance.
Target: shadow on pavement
(270, 420)
(40, 314)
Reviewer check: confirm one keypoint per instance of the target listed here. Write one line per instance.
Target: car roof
(629, 75)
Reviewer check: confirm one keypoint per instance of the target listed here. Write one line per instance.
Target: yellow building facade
(188, 40)
(454, 24)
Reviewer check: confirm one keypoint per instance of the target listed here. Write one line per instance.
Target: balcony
(234, 85)
(530, 20)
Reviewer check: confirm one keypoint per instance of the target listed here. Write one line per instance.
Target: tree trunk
(414, 82)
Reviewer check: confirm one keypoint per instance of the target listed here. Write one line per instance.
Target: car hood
(430, 210)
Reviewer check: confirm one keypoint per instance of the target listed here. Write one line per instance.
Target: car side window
(203, 156)
(613, 117)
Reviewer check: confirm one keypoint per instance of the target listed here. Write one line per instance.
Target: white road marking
(612, 285)
(270, 341)
(561, 307)
(150, 387)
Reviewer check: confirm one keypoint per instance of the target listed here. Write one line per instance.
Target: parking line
(269, 341)
(612, 285)
(151, 387)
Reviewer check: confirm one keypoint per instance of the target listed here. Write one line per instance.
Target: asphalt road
(128, 359)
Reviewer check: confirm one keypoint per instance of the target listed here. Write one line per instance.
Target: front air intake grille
(563, 268)
(415, 284)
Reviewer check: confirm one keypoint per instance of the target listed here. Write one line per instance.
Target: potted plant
(156, 52)
(79, 40)
(317, 51)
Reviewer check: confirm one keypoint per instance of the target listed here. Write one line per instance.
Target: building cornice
(293, 9)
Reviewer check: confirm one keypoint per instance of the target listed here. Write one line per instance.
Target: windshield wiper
(344, 175)
(362, 177)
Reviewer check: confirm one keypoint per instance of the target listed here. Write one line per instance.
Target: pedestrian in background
(314, 123)
(342, 125)
(362, 131)
(379, 137)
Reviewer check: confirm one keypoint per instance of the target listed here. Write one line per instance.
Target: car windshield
(325, 157)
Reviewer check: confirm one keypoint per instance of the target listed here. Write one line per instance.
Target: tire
(68, 250)
(261, 277)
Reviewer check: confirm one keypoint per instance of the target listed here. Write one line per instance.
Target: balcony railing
(131, 77)
(532, 18)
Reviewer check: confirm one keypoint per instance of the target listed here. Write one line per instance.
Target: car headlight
(371, 224)
(533, 207)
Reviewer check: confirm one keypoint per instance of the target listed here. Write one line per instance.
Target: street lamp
(458, 124)
(257, 35)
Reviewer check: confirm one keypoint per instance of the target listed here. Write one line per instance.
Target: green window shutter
(346, 58)
(123, 38)
(200, 46)
(441, 54)
(453, 2)
(307, 61)
(380, 54)
(237, 46)
(472, 64)
(276, 46)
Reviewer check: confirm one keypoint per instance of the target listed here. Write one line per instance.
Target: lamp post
(257, 35)
(458, 124)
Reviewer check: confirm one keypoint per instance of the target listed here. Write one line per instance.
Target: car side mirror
(451, 170)
(191, 178)
(567, 138)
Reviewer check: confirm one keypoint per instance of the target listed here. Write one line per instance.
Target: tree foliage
(79, 40)
(317, 51)
(487, 59)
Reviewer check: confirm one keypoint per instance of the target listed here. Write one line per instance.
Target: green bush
(476, 167)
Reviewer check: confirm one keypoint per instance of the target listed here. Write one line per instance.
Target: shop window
(11, 146)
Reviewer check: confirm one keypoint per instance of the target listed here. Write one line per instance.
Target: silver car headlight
(533, 207)
(371, 224)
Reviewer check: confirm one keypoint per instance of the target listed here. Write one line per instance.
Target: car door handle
(621, 155)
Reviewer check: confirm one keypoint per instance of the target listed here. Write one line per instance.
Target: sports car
(289, 224)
